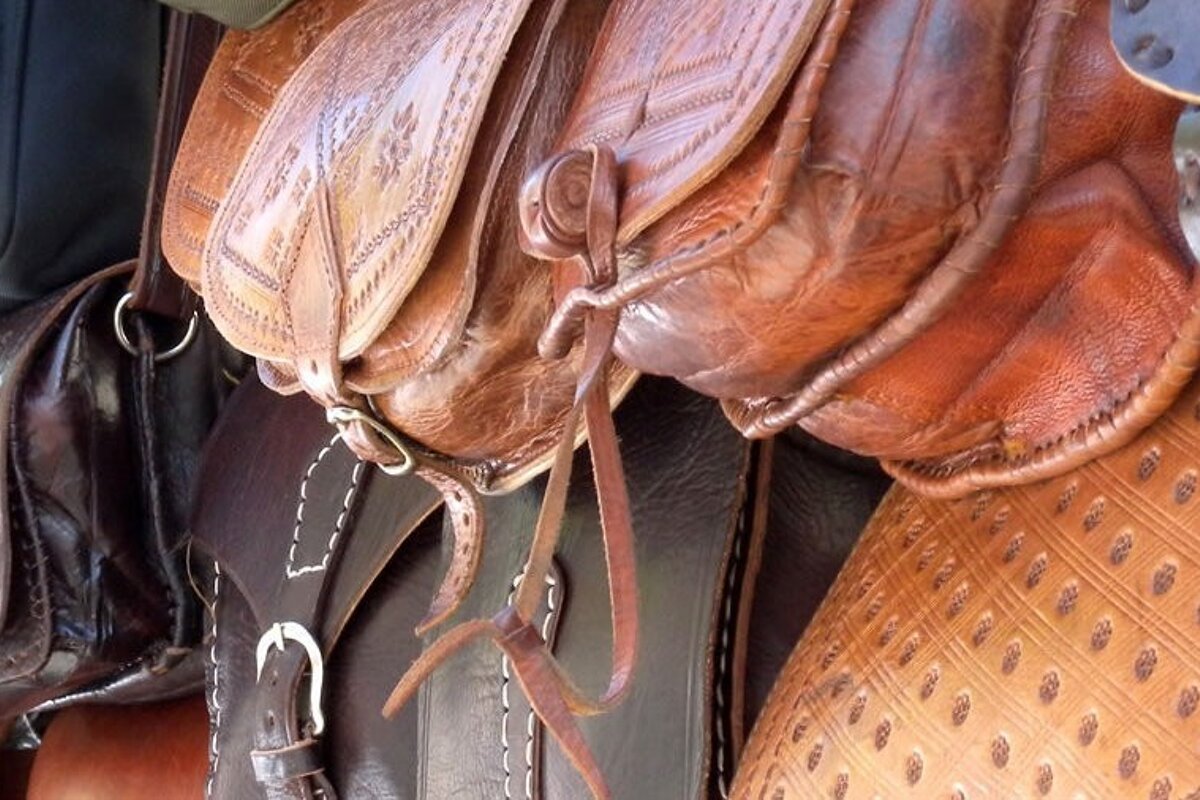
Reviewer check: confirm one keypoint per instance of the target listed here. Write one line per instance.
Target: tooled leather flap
(678, 89)
(240, 86)
(280, 500)
(21, 337)
(382, 117)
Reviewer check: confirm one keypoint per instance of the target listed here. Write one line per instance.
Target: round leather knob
(554, 206)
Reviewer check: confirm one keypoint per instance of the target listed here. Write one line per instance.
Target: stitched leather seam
(214, 697)
(725, 648)
(290, 570)
(531, 719)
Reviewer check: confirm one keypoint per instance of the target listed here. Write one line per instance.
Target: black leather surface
(821, 498)
(78, 92)
(100, 451)
(686, 486)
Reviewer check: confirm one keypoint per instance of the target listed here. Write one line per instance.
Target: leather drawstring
(552, 694)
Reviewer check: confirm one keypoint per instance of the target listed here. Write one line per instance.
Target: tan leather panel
(678, 89)
(240, 87)
(389, 136)
(455, 366)
(1027, 642)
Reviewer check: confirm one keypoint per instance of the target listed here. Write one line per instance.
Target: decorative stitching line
(531, 719)
(290, 571)
(214, 696)
(723, 661)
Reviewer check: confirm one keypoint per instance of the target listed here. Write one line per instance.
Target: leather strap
(287, 755)
(552, 694)
(191, 42)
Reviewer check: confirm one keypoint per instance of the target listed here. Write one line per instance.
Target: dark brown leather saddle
(306, 534)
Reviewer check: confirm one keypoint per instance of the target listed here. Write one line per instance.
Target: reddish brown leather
(15, 766)
(242, 82)
(431, 311)
(977, 203)
(152, 752)
(1035, 641)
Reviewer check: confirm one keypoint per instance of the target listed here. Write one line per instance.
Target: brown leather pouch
(363, 251)
(101, 431)
(903, 225)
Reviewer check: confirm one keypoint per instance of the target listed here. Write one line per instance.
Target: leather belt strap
(552, 694)
(289, 720)
(191, 42)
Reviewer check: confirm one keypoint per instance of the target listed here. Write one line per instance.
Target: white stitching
(214, 696)
(723, 662)
(531, 719)
(290, 571)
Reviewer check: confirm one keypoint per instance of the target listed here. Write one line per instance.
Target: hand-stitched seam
(290, 570)
(724, 650)
(214, 698)
(531, 718)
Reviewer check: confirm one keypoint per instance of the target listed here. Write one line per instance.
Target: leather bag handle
(191, 43)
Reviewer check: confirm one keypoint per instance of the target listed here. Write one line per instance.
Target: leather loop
(191, 43)
(290, 763)
(552, 694)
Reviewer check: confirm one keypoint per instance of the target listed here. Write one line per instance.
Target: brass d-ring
(343, 416)
(123, 337)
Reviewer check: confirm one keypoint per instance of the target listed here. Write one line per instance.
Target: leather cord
(552, 694)
(191, 42)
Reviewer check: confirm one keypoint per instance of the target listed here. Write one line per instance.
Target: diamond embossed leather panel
(930, 234)
(1028, 642)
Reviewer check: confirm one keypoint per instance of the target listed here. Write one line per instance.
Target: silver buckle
(276, 636)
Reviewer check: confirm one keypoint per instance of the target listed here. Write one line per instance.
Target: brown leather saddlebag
(102, 414)
(941, 233)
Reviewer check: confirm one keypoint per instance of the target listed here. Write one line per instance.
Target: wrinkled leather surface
(810, 298)
(1156, 41)
(1084, 297)
(151, 752)
(94, 507)
(1027, 642)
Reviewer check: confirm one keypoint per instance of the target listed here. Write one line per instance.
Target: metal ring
(343, 416)
(122, 337)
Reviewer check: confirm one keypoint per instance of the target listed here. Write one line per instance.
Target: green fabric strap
(234, 13)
